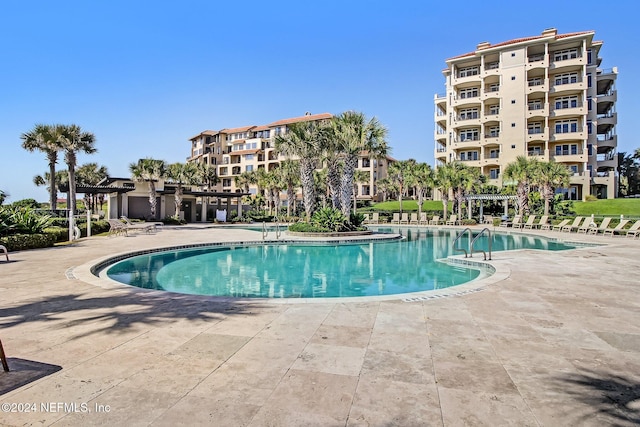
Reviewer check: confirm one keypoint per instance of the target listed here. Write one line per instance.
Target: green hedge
(19, 242)
(305, 227)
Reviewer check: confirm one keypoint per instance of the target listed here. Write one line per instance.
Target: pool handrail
(466, 253)
(480, 250)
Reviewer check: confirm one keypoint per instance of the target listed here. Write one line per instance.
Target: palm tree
(92, 174)
(304, 140)
(386, 187)
(181, 174)
(423, 180)
(522, 171)
(465, 179)
(549, 176)
(354, 135)
(445, 181)
(401, 173)
(289, 172)
(149, 171)
(73, 141)
(243, 180)
(3, 196)
(61, 180)
(45, 139)
(207, 175)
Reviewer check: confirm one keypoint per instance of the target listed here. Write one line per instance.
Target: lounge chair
(414, 219)
(617, 228)
(587, 225)
(396, 218)
(634, 231)
(147, 227)
(529, 224)
(560, 225)
(487, 219)
(366, 219)
(603, 226)
(375, 218)
(4, 250)
(423, 218)
(435, 220)
(405, 218)
(453, 220)
(544, 220)
(3, 359)
(117, 227)
(575, 224)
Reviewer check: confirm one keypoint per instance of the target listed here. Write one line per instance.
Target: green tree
(304, 140)
(207, 176)
(423, 181)
(61, 180)
(354, 135)
(549, 176)
(359, 177)
(3, 196)
(181, 174)
(445, 182)
(629, 173)
(289, 172)
(401, 173)
(149, 170)
(91, 174)
(523, 172)
(74, 140)
(44, 138)
(386, 187)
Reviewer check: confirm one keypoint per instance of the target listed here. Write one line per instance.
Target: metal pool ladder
(471, 248)
(265, 232)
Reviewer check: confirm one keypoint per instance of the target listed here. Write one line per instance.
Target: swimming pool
(315, 270)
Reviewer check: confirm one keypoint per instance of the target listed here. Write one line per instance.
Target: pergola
(490, 197)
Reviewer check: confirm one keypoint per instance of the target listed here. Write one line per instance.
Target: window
(494, 154)
(536, 81)
(513, 101)
(494, 173)
(494, 109)
(535, 151)
(467, 114)
(248, 168)
(226, 182)
(513, 54)
(468, 71)
(468, 93)
(589, 99)
(469, 135)
(492, 65)
(468, 156)
(494, 131)
(513, 125)
(589, 57)
(566, 149)
(563, 79)
(535, 104)
(590, 149)
(566, 126)
(248, 156)
(533, 128)
(573, 169)
(566, 102)
(494, 87)
(589, 79)
(563, 55)
(513, 77)
(589, 126)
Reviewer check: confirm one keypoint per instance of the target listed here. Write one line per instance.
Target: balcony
(564, 63)
(578, 156)
(607, 162)
(466, 143)
(568, 136)
(608, 142)
(491, 139)
(579, 178)
(603, 178)
(610, 96)
(470, 163)
(537, 110)
(534, 86)
(538, 154)
(568, 87)
(467, 100)
(465, 79)
(538, 134)
(491, 69)
(576, 109)
(608, 119)
(537, 61)
(491, 94)
(466, 122)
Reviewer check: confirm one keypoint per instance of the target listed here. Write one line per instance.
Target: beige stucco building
(543, 96)
(248, 148)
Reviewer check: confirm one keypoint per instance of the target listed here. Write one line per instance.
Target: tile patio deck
(554, 340)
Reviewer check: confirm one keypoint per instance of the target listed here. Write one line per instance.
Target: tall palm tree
(244, 180)
(181, 174)
(289, 172)
(549, 176)
(423, 180)
(92, 174)
(401, 172)
(44, 138)
(207, 175)
(74, 140)
(304, 140)
(61, 180)
(444, 182)
(149, 171)
(522, 171)
(465, 180)
(3, 196)
(354, 134)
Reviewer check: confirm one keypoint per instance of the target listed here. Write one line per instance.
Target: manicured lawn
(626, 207)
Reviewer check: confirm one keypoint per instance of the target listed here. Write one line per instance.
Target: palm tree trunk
(177, 200)
(53, 191)
(346, 184)
(333, 182)
(307, 166)
(291, 199)
(152, 199)
(400, 191)
(72, 186)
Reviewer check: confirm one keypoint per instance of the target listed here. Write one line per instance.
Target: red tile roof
(206, 133)
(522, 40)
(301, 119)
(237, 130)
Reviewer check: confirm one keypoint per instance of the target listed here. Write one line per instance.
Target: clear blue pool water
(311, 270)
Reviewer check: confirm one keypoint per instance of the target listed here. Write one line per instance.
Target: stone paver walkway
(554, 342)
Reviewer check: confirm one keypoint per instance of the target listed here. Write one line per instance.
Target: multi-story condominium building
(248, 148)
(545, 97)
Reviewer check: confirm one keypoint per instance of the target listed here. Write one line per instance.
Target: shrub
(356, 220)
(18, 242)
(305, 227)
(171, 220)
(590, 198)
(469, 222)
(60, 234)
(330, 219)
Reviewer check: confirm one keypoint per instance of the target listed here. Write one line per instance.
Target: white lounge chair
(453, 220)
(423, 218)
(529, 224)
(375, 218)
(147, 227)
(603, 226)
(544, 219)
(576, 224)
(634, 231)
(435, 220)
(560, 225)
(396, 218)
(617, 228)
(405, 218)
(4, 250)
(414, 218)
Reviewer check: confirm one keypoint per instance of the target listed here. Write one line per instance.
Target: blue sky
(145, 76)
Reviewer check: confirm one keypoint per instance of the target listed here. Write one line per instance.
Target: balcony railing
(577, 104)
(536, 58)
(474, 138)
(533, 107)
(468, 117)
(441, 150)
(534, 131)
(568, 153)
(532, 153)
(536, 82)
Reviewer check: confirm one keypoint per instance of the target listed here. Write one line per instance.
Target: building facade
(544, 97)
(244, 149)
